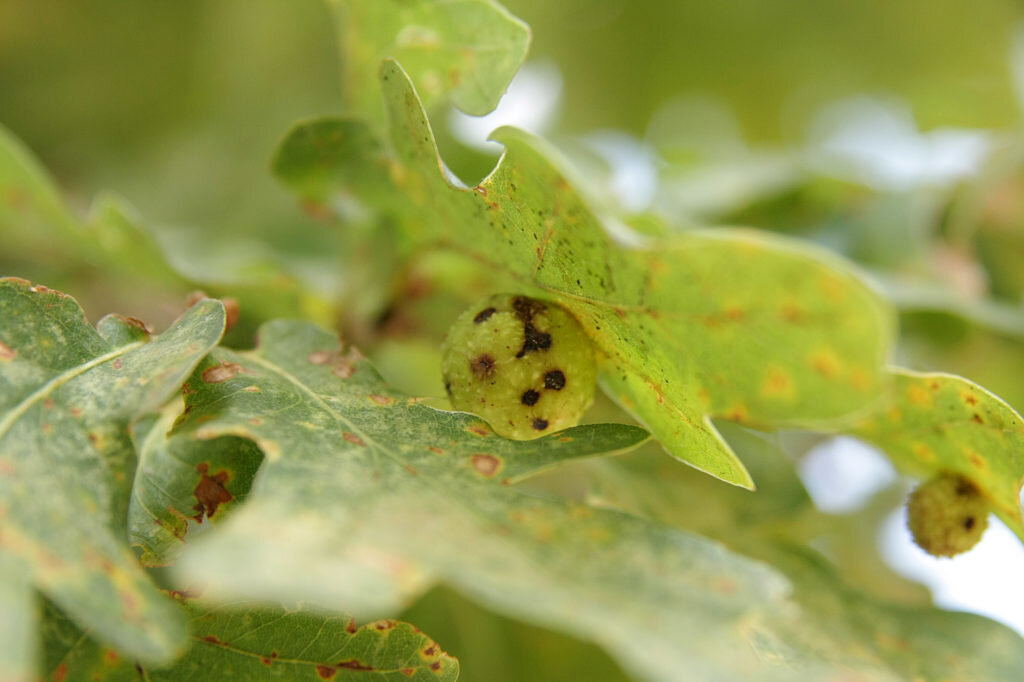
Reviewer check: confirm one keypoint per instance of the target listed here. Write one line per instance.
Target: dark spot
(353, 664)
(448, 387)
(533, 340)
(350, 627)
(540, 424)
(530, 397)
(326, 671)
(527, 308)
(436, 665)
(353, 438)
(430, 650)
(977, 419)
(554, 380)
(484, 315)
(483, 366)
(212, 639)
(969, 523)
(965, 488)
(210, 492)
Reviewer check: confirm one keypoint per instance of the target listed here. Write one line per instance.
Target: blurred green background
(177, 107)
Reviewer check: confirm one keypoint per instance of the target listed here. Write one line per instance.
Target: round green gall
(947, 515)
(524, 365)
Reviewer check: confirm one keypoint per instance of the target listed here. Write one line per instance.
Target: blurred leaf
(868, 635)
(172, 494)
(467, 50)
(936, 423)
(372, 498)
(35, 223)
(259, 643)
(793, 338)
(494, 648)
(66, 462)
(17, 621)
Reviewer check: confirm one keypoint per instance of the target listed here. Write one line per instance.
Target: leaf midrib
(56, 382)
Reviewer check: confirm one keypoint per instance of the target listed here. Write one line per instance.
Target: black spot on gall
(530, 397)
(483, 315)
(555, 380)
(969, 523)
(483, 365)
(540, 424)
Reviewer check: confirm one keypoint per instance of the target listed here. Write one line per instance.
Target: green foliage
(259, 643)
(69, 393)
(276, 498)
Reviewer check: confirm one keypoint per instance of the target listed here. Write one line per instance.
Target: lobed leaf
(724, 323)
(860, 627)
(372, 497)
(936, 423)
(246, 642)
(67, 395)
(465, 50)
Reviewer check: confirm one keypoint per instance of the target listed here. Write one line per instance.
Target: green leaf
(173, 495)
(67, 396)
(35, 219)
(467, 50)
(863, 628)
(251, 643)
(372, 498)
(935, 423)
(724, 323)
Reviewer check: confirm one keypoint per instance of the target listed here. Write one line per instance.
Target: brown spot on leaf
(353, 664)
(232, 311)
(350, 627)
(221, 372)
(483, 366)
(381, 399)
(210, 492)
(479, 430)
(486, 465)
(326, 672)
(384, 624)
(60, 673)
(430, 651)
(353, 438)
(540, 424)
(211, 639)
(6, 352)
(321, 357)
(970, 399)
(408, 672)
(435, 666)
(977, 419)
(436, 451)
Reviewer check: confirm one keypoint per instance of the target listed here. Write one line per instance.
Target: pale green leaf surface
(67, 396)
(465, 50)
(246, 642)
(174, 494)
(727, 323)
(371, 498)
(935, 423)
(861, 629)
(17, 621)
